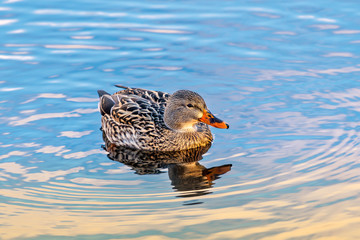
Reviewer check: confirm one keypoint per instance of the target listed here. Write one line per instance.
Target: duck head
(185, 109)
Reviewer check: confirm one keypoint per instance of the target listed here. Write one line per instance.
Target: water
(285, 76)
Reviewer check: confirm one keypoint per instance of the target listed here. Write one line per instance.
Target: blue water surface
(284, 75)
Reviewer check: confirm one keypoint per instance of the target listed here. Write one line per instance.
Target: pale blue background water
(284, 75)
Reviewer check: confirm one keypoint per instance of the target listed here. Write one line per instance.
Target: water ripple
(284, 75)
(7, 21)
(16, 57)
(79, 13)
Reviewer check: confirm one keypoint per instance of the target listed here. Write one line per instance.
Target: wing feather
(135, 118)
(156, 97)
(138, 112)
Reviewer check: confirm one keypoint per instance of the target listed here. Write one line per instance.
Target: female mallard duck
(156, 121)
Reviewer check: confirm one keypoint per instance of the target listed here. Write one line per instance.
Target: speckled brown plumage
(134, 118)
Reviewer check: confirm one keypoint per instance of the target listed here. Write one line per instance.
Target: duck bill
(211, 120)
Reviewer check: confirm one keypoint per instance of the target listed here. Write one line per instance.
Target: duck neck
(186, 138)
(183, 128)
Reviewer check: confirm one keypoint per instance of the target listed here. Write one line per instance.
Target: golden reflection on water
(91, 206)
(86, 207)
(300, 213)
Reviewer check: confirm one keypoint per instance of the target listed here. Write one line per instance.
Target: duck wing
(138, 112)
(133, 117)
(139, 109)
(156, 97)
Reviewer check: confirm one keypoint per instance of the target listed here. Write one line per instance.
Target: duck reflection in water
(184, 169)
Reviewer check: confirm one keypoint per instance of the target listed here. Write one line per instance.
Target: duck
(151, 120)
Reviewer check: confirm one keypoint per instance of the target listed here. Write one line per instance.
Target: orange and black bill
(211, 120)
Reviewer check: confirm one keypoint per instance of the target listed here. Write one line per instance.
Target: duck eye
(190, 105)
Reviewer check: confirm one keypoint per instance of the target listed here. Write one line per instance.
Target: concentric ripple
(284, 75)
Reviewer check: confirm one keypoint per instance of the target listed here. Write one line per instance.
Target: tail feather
(121, 86)
(106, 103)
(102, 93)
